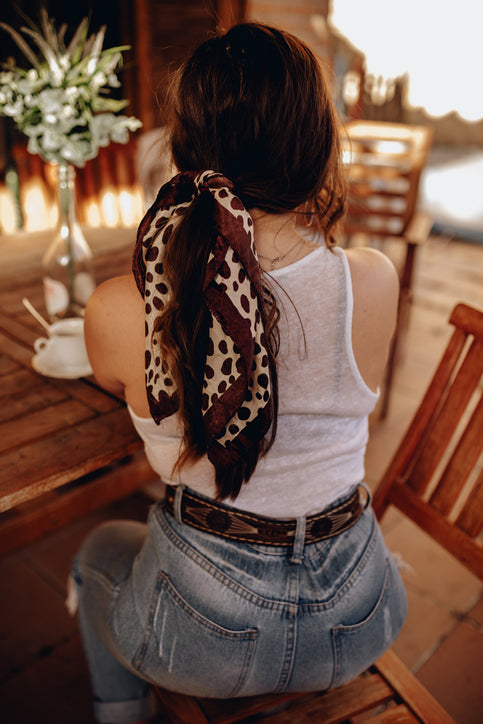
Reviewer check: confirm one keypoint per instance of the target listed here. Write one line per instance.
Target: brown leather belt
(228, 522)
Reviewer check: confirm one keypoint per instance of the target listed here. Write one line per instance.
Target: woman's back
(250, 361)
(327, 359)
(318, 452)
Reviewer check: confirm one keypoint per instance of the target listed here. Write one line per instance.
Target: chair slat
(471, 517)
(226, 711)
(338, 705)
(468, 319)
(452, 408)
(461, 463)
(412, 438)
(456, 541)
(363, 210)
(366, 188)
(413, 693)
(181, 709)
(398, 714)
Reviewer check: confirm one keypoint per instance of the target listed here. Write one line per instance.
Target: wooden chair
(434, 479)
(383, 164)
(436, 475)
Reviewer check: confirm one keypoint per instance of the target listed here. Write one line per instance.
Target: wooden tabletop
(53, 431)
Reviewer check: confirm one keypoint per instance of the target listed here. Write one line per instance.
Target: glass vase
(67, 263)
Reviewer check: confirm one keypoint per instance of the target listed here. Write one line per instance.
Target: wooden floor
(43, 677)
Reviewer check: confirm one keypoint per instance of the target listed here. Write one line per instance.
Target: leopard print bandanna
(237, 405)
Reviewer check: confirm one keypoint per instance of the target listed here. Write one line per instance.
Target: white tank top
(324, 403)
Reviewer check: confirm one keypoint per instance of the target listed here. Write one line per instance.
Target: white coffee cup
(65, 348)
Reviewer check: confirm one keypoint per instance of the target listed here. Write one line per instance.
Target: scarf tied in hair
(237, 404)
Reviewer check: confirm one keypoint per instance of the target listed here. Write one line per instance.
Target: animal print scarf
(237, 405)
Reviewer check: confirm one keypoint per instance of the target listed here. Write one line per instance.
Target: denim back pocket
(184, 651)
(357, 645)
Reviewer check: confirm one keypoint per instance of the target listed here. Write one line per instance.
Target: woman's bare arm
(375, 286)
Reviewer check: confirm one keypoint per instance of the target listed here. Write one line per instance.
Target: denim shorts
(192, 612)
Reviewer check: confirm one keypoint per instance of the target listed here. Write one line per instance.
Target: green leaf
(23, 46)
(62, 32)
(43, 45)
(98, 42)
(76, 45)
(49, 31)
(108, 104)
(117, 49)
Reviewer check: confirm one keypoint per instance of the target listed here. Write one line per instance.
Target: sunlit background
(438, 44)
(437, 47)
(420, 61)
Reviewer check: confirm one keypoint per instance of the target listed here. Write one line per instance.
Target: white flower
(113, 81)
(122, 125)
(58, 103)
(51, 140)
(98, 80)
(13, 108)
(64, 62)
(101, 126)
(50, 100)
(33, 145)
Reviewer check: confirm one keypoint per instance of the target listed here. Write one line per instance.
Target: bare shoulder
(375, 289)
(111, 293)
(113, 326)
(371, 268)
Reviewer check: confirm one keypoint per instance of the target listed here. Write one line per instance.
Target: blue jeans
(172, 605)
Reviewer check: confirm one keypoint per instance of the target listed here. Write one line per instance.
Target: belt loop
(178, 496)
(298, 544)
(369, 495)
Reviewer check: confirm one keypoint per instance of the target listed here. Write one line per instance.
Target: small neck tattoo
(276, 259)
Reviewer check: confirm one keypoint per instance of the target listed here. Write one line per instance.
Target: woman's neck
(277, 240)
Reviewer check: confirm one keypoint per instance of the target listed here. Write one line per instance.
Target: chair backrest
(383, 163)
(436, 475)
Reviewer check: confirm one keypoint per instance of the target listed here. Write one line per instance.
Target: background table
(66, 446)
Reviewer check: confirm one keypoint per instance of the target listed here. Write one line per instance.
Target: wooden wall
(163, 33)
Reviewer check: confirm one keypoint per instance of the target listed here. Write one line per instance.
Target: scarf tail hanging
(237, 405)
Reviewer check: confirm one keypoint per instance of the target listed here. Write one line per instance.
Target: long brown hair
(252, 104)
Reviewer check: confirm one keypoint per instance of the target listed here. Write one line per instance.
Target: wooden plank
(16, 350)
(41, 424)
(18, 331)
(471, 517)
(458, 543)
(462, 461)
(180, 708)
(453, 406)
(336, 705)
(68, 455)
(226, 711)
(420, 422)
(18, 382)
(411, 690)
(39, 397)
(419, 228)
(7, 365)
(469, 319)
(68, 505)
(399, 714)
(86, 390)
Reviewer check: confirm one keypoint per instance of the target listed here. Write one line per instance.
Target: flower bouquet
(60, 104)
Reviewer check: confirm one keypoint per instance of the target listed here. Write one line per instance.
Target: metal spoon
(37, 316)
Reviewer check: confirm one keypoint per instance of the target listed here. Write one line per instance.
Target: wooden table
(66, 446)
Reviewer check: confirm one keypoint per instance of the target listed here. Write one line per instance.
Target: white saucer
(45, 366)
